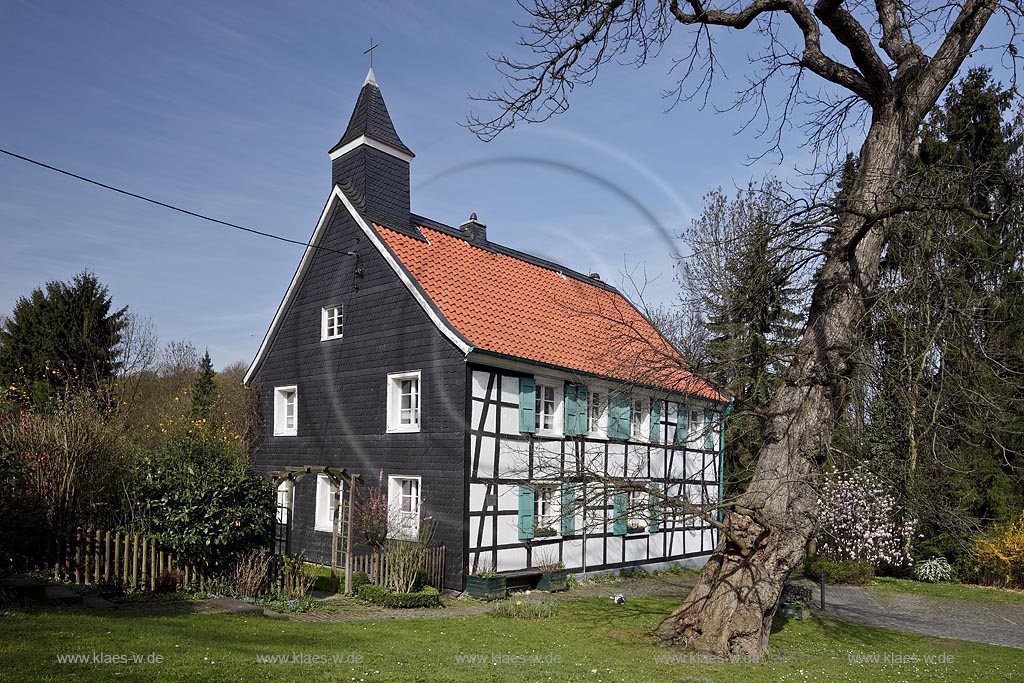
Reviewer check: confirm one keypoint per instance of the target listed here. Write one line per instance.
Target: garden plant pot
(793, 611)
(554, 580)
(489, 588)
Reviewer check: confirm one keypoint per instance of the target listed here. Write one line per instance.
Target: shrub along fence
(93, 555)
(375, 566)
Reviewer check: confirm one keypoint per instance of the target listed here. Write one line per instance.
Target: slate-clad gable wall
(377, 183)
(342, 390)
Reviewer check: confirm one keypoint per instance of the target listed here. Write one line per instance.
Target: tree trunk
(730, 610)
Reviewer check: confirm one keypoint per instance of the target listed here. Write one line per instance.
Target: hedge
(385, 597)
(837, 571)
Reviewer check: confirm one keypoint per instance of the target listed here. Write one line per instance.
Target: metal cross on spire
(369, 51)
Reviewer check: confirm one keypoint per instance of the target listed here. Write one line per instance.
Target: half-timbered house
(527, 410)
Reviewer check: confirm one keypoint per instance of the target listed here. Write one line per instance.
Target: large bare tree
(886, 76)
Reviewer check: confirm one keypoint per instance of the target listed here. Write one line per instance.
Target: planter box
(554, 580)
(791, 611)
(491, 588)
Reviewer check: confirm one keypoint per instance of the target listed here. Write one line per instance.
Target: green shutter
(526, 519)
(620, 513)
(709, 436)
(527, 405)
(655, 509)
(618, 417)
(682, 424)
(655, 435)
(568, 510)
(575, 409)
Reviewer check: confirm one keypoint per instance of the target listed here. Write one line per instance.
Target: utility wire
(166, 205)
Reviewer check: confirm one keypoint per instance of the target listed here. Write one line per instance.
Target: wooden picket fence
(375, 566)
(93, 555)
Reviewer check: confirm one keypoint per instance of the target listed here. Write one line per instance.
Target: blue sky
(229, 108)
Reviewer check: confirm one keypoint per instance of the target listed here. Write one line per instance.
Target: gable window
(547, 513)
(331, 322)
(404, 402)
(286, 411)
(597, 415)
(404, 504)
(327, 500)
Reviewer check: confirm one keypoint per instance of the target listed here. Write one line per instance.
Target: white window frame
(325, 320)
(637, 509)
(639, 430)
(558, 393)
(597, 402)
(284, 498)
(404, 524)
(281, 427)
(394, 408)
(323, 519)
(695, 437)
(552, 517)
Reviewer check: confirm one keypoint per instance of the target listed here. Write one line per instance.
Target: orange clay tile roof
(504, 304)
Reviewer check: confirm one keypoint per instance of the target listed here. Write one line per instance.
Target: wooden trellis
(340, 526)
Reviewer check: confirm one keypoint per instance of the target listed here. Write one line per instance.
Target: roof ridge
(514, 253)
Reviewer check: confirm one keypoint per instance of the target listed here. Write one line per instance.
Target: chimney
(371, 163)
(475, 230)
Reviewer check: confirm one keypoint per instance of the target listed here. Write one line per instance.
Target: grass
(590, 640)
(959, 591)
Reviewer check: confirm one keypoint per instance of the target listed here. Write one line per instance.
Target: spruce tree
(204, 390)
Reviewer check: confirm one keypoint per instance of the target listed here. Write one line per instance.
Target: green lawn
(947, 590)
(591, 640)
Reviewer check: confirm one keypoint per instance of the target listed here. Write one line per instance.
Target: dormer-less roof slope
(513, 305)
(370, 118)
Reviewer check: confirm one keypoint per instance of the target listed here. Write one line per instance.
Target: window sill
(292, 433)
(327, 339)
(549, 433)
(403, 429)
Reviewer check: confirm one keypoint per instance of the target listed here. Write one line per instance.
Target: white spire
(369, 77)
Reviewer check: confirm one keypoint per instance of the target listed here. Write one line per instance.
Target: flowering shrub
(860, 520)
(998, 559)
(934, 570)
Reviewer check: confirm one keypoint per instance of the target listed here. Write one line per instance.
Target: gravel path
(996, 623)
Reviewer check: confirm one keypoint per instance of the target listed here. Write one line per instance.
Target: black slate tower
(371, 163)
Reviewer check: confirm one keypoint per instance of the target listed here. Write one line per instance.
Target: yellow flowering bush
(998, 559)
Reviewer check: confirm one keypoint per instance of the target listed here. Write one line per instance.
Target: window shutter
(527, 405)
(709, 436)
(582, 407)
(655, 509)
(618, 417)
(568, 509)
(575, 409)
(620, 513)
(682, 425)
(526, 519)
(655, 436)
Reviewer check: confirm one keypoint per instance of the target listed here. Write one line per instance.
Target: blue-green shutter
(620, 513)
(655, 508)
(618, 417)
(709, 436)
(682, 424)
(526, 518)
(527, 405)
(568, 510)
(655, 436)
(575, 409)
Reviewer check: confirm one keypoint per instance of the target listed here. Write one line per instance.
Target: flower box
(793, 610)
(486, 587)
(554, 580)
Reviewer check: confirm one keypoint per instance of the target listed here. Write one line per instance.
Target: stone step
(21, 588)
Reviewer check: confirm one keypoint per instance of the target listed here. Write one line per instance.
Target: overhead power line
(165, 205)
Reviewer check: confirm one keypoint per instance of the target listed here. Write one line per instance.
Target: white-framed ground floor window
(404, 506)
(326, 503)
